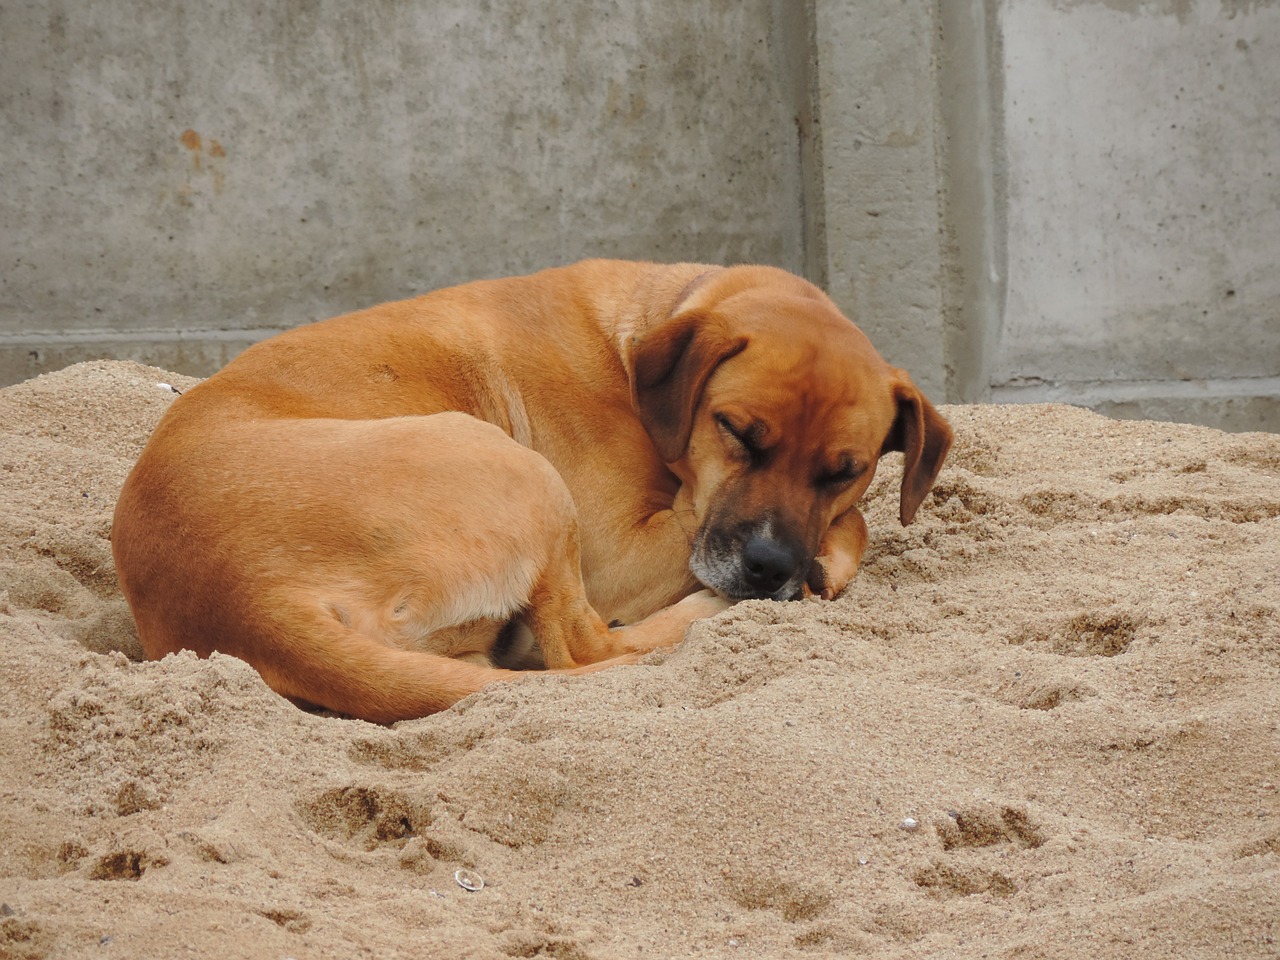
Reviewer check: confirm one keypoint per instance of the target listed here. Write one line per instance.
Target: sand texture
(1044, 722)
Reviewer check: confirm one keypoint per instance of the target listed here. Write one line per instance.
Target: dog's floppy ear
(670, 365)
(923, 437)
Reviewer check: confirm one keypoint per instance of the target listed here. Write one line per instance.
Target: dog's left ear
(924, 437)
(670, 366)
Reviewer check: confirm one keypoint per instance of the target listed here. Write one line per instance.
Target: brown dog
(370, 510)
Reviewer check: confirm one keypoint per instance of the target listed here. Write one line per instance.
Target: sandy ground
(1043, 722)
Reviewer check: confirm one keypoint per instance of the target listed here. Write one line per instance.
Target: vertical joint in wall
(795, 33)
(971, 171)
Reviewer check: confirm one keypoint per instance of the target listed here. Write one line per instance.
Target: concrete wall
(1018, 199)
(178, 179)
(1067, 200)
(1142, 150)
(877, 100)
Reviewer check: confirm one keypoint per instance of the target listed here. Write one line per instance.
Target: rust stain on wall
(217, 153)
(191, 140)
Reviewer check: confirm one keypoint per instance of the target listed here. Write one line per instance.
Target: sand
(1043, 722)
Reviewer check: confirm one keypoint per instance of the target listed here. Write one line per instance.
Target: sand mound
(1043, 722)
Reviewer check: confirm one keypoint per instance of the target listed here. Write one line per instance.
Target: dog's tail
(340, 669)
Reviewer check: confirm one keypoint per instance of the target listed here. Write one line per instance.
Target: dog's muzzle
(749, 563)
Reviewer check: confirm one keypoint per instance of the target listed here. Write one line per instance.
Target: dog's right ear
(924, 437)
(670, 366)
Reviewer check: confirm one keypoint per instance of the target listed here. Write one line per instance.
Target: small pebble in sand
(909, 824)
(469, 880)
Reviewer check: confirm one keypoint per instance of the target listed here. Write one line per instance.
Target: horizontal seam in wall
(37, 338)
(1119, 391)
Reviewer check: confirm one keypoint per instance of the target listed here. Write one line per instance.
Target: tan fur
(373, 509)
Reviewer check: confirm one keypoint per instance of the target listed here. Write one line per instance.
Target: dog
(385, 512)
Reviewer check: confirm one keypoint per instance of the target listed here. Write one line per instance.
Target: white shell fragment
(909, 824)
(469, 880)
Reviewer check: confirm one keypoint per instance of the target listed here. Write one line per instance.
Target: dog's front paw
(703, 604)
(667, 627)
(838, 557)
(828, 577)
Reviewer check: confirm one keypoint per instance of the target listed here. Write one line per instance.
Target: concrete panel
(1236, 414)
(202, 351)
(877, 98)
(971, 105)
(1071, 200)
(1143, 202)
(197, 170)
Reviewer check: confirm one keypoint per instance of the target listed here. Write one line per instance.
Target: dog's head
(773, 410)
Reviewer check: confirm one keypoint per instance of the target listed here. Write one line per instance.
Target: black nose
(767, 565)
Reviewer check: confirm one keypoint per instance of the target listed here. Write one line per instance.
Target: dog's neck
(692, 287)
(666, 291)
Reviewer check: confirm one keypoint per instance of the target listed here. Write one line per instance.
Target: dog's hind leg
(523, 556)
(369, 566)
(448, 530)
(570, 632)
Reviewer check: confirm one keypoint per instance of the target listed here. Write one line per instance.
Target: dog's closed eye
(748, 437)
(844, 474)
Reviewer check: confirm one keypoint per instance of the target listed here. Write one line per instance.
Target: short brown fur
(368, 509)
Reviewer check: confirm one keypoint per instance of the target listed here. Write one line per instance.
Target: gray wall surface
(1142, 145)
(1018, 199)
(178, 179)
